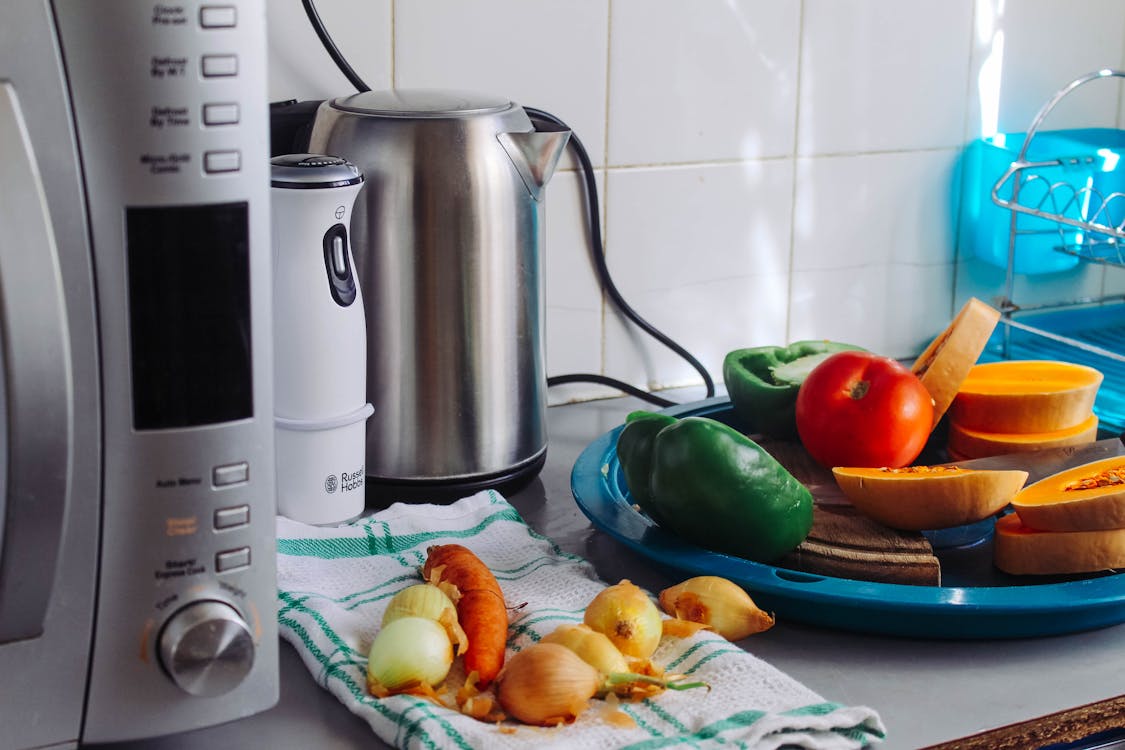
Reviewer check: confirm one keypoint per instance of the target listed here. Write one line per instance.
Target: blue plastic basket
(1089, 169)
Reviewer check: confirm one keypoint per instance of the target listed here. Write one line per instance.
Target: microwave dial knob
(206, 648)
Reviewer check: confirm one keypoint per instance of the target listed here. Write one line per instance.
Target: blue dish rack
(1087, 335)
(1088, 216)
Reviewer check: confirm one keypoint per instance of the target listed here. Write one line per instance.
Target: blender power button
(339, 257)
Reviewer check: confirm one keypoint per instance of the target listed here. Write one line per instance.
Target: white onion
(406, 653)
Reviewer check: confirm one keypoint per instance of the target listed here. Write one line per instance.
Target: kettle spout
(535, 154)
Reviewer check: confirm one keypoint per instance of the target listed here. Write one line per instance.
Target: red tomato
(861, 409)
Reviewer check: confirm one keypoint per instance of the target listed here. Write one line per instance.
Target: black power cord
(597, 254)
(331, 48)
(597, 250)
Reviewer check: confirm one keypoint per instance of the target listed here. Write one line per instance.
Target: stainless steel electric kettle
(448, 238)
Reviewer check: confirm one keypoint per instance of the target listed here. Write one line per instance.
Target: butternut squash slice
(916, 498)
(1090, 497)
(945, 363)
(1022, 550)
(967, 443)
(1025, 396)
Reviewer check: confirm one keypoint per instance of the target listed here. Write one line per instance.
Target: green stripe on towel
(343, 547)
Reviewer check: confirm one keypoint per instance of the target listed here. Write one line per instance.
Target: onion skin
(429, 601)
(626, 614)
(718, 603)
(418, 600)
(546, 684)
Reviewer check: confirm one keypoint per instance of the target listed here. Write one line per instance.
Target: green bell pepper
(762, 383)
(634, 452)
(713, 486)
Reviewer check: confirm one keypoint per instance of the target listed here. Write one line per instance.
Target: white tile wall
(702, 81)
(873, 249)
(883, 75)
(299, 67)
(702, 253)
(547, 54)
(769, 170)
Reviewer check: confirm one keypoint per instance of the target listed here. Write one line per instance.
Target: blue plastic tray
(975, 600)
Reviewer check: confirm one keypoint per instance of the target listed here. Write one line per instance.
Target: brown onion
(718, 603)
(546, 684)
(626, 614)
(596, 649)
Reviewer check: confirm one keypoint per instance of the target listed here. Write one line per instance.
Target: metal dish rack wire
(1090, 225)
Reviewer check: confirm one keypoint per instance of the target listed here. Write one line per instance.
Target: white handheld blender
(320, 341)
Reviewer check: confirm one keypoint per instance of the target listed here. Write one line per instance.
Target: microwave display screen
(189, 314)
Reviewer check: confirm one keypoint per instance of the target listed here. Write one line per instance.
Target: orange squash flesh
(968, 443)
(1025, 396)
(1086, 498)
(949, 358)
(928, 497)
(1021, 550)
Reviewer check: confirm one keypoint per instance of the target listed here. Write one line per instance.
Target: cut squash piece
(1021, 550)
(966, 443)
(1026, 396)
(1090, 497)
(948, 359)
(917, 498)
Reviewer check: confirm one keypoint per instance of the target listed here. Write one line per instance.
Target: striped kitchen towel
(334, 583)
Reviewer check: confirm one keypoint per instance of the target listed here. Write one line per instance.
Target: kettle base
(381, 492)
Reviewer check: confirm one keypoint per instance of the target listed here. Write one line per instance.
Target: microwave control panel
(171, 115)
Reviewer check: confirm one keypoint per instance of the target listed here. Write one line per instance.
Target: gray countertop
(926, 691)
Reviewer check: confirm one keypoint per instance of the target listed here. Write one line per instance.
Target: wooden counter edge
(1064, 726)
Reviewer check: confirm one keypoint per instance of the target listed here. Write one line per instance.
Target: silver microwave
(137, 568)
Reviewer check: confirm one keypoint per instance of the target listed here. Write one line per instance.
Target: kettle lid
(433, 103)
(312, 171)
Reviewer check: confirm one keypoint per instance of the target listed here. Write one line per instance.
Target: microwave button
(232, 559)
(231, 518)
(228, 474)
(218, 16)
(220, 66)
(222, 161)
(220, 114)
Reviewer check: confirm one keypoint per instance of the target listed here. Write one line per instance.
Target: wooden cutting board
(846, 544)
(843, 542)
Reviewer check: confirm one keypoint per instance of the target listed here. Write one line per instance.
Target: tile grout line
(974, 10)
(604, 202)
(793, 171)
(777, 157)
(394, 39)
